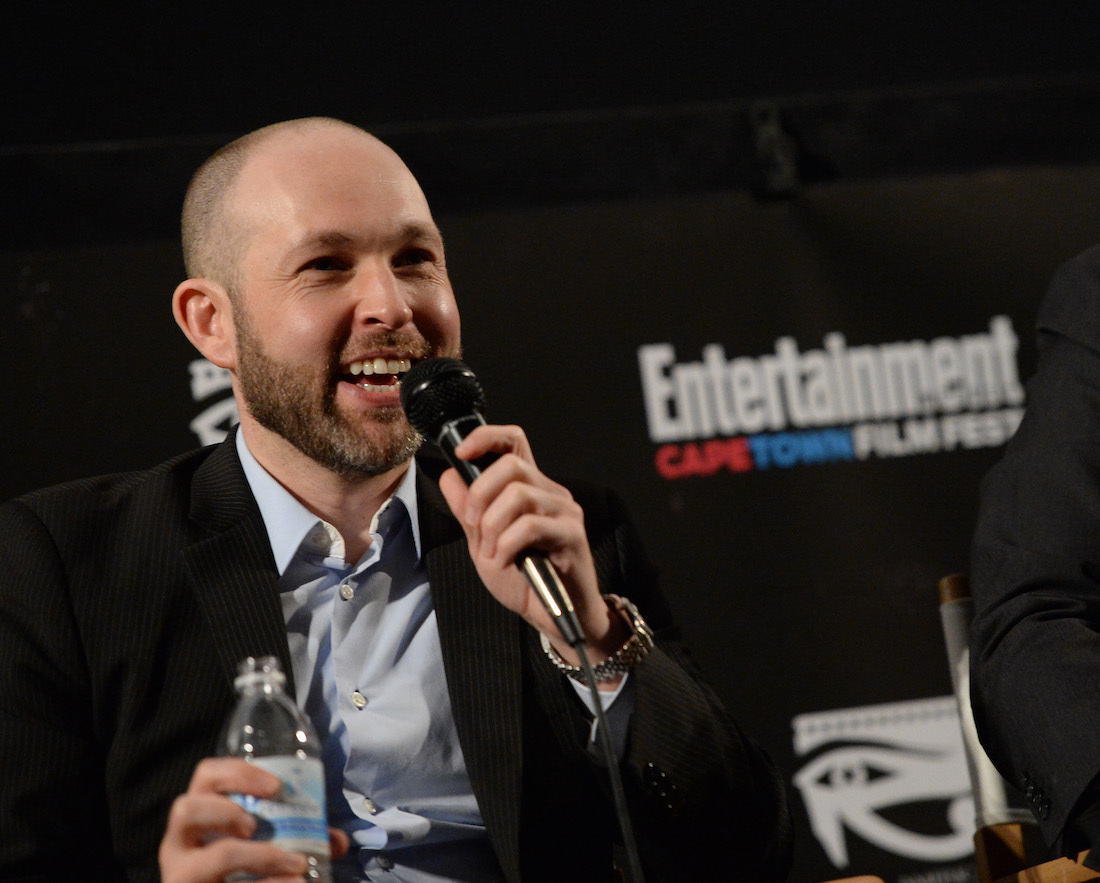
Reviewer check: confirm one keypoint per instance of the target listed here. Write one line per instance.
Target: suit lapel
(231, 568)
(481, 643)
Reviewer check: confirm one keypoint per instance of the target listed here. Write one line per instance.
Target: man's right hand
(207, 834)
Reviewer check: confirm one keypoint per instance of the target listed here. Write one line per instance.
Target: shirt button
(371, 806)
(347, 591)
(358, 700)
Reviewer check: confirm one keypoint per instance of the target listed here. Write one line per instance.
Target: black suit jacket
(127, 601)
(1035, 648)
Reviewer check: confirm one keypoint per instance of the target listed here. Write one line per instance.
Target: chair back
(1006, 840)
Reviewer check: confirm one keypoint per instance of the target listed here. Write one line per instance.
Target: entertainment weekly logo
(831, 404)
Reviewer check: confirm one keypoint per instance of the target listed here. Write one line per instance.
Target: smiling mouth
(376, 372)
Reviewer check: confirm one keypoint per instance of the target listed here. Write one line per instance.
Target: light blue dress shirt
(364, 647)
(369, 673)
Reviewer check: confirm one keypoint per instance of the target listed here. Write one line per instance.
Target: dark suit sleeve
(706, 802)
(1035, 647)
(52, 802)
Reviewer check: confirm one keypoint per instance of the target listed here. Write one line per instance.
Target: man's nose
(380, 299)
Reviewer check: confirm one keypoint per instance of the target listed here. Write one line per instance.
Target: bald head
(213, 235)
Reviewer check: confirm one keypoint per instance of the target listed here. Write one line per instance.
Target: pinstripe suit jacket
(126, 602)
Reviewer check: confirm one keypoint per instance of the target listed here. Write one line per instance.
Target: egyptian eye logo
(909, 756)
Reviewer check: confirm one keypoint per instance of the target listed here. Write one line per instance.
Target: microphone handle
(452, 434)
(540, 573)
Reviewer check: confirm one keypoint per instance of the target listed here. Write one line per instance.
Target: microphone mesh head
(437, 391)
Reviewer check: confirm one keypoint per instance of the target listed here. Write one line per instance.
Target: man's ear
(204, 312)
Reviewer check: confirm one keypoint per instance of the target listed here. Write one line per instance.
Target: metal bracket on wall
(776, 152)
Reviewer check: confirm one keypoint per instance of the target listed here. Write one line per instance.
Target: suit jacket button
(662, 789)
(1043, 809)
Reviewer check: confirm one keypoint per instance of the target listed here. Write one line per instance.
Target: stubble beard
(299, 404)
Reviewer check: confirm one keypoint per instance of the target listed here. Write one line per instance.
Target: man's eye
(326, 264)
(412, 258)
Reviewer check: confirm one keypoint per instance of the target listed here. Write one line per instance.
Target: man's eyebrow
(413, 232)
(325, 239)
(419, 232)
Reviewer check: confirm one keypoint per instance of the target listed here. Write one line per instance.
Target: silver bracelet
(635, 649)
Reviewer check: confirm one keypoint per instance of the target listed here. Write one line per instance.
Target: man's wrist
(626, 656)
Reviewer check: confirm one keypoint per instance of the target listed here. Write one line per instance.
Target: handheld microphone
(443, 400)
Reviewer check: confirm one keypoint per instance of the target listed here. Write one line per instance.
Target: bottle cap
(258, 670)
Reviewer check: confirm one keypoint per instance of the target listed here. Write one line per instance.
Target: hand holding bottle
(258, 813)
(207, 838)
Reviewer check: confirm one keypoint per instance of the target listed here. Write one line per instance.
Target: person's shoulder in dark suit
(1035, 569)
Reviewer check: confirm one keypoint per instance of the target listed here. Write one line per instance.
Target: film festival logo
(831, 404)
(208, 381)
(870, 764)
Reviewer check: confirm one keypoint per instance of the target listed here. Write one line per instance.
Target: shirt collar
(288, 522)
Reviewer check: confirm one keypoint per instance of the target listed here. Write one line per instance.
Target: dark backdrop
(610, 177)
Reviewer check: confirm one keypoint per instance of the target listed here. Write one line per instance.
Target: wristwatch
(635, 649)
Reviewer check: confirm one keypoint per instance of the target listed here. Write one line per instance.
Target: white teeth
(379, 366)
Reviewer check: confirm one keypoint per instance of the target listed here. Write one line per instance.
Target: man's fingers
(229, 855)
(509, 474)
(195, 818)
(495, 439)
(525, 506)
(206, 840)
(207, 834)
(232, 775)
(338, 842)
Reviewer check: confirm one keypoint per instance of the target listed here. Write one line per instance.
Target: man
(1035, 640)
(455, 746)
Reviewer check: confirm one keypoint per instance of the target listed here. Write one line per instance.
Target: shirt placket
(358, 607)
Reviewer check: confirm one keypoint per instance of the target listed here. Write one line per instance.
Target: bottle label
(296, 821)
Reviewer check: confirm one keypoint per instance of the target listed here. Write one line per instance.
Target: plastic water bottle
(267, 729)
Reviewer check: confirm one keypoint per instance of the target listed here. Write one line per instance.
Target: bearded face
(339, 281)
(299, 403)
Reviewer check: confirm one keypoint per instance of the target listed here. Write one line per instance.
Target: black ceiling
(108, 111)
(82, 71)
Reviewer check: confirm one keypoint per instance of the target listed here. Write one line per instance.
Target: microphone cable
(618, 797)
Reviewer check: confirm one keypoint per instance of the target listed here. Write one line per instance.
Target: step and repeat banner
(797, 399)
